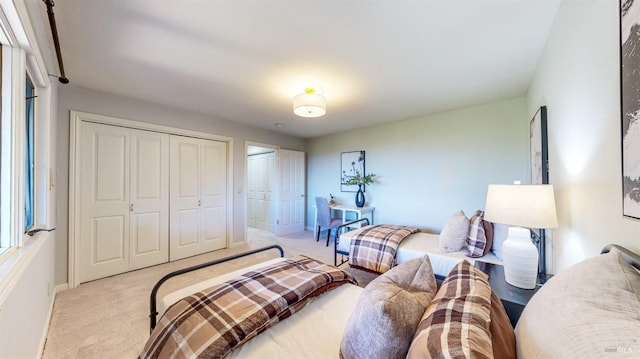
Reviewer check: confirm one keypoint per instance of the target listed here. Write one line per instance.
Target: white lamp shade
(529, 206)
(309, 105)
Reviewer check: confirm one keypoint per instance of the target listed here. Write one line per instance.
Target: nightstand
(513, 298)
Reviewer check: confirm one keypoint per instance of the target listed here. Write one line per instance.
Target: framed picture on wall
(350, 162)
(630, 106)
(538, 147)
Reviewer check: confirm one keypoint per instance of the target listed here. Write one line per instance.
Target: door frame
(76, 118)
(277, 179)
(276, 148)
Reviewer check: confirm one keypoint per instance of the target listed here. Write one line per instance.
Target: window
(29, 156)
(25, 133)
(23, 148)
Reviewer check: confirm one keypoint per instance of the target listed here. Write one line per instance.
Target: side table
(513, 298)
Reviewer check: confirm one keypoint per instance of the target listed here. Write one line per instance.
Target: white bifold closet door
(124, 200)
(198, 206)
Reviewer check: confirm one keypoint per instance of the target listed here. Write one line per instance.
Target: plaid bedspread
(374, 248)
(211, 323)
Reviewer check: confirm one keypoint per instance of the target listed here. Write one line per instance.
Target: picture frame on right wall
(539, 147)
(630, 106)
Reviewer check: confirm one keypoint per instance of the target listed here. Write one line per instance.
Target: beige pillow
(454, 233)
(388, 311)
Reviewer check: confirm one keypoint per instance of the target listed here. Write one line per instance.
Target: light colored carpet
(109, 318)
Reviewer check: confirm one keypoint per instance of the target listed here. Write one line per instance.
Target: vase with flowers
(360, 180)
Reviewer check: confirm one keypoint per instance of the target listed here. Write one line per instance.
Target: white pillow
(589, 310)
(500, 232)
(454, 233)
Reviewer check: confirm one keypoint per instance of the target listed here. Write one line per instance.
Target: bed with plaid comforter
(374, 248)
(211, 323)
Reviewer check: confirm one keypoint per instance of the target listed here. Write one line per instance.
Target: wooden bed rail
(628, 255)
(360, 222)
(154, 292)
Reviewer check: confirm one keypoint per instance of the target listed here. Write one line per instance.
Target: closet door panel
(188, 229)
(185, 197)
(147, 238)
(108, 239)
(104, 201)
(213, 184)
(149, 205)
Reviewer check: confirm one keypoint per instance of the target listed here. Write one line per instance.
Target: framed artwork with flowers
(352, 165)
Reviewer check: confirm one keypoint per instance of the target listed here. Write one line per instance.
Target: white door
(291, 179)
(264, 174)
(198, 205)
(213, 192)
(185, 195)
(124, 200)
(149, 207)
(104, 192)
(252, 162)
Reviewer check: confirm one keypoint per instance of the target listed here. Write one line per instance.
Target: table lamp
(522, 207)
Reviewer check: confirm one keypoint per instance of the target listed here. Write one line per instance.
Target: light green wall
(578, 79)
(428, 167)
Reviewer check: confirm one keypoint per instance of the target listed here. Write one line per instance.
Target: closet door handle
(199, 203)
(131, 207)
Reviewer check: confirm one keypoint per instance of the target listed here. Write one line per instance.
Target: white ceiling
(244, 61)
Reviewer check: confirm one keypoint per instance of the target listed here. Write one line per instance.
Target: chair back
(324, 212)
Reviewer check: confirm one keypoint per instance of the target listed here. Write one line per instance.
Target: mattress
(418, 244)
(297, 334)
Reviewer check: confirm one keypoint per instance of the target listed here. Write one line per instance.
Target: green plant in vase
(360, 180)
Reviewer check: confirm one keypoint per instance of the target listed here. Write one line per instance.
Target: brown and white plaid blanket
(374, 248)
(211, 323)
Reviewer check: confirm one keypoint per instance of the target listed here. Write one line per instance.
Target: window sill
(13, 261)
(5, 253)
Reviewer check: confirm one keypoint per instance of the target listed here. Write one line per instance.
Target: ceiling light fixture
(309, 104)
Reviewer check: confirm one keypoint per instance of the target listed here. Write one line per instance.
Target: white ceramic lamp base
(520, 258)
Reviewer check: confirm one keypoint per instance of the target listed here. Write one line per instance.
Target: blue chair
(324, 220)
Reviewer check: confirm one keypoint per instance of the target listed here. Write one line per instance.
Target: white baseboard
(62, 287)
(237, 244)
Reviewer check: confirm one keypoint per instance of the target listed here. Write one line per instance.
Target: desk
(359, 211)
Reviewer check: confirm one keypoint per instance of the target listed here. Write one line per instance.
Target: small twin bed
(353, 322)
(417, 245)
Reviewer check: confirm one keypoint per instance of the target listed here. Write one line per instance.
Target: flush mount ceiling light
(309, 104)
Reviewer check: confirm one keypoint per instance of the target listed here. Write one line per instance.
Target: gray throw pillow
(454, 233)
(388, 312)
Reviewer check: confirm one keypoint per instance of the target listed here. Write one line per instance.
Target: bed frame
(153, 313)
(630, 257)
(361, 222)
